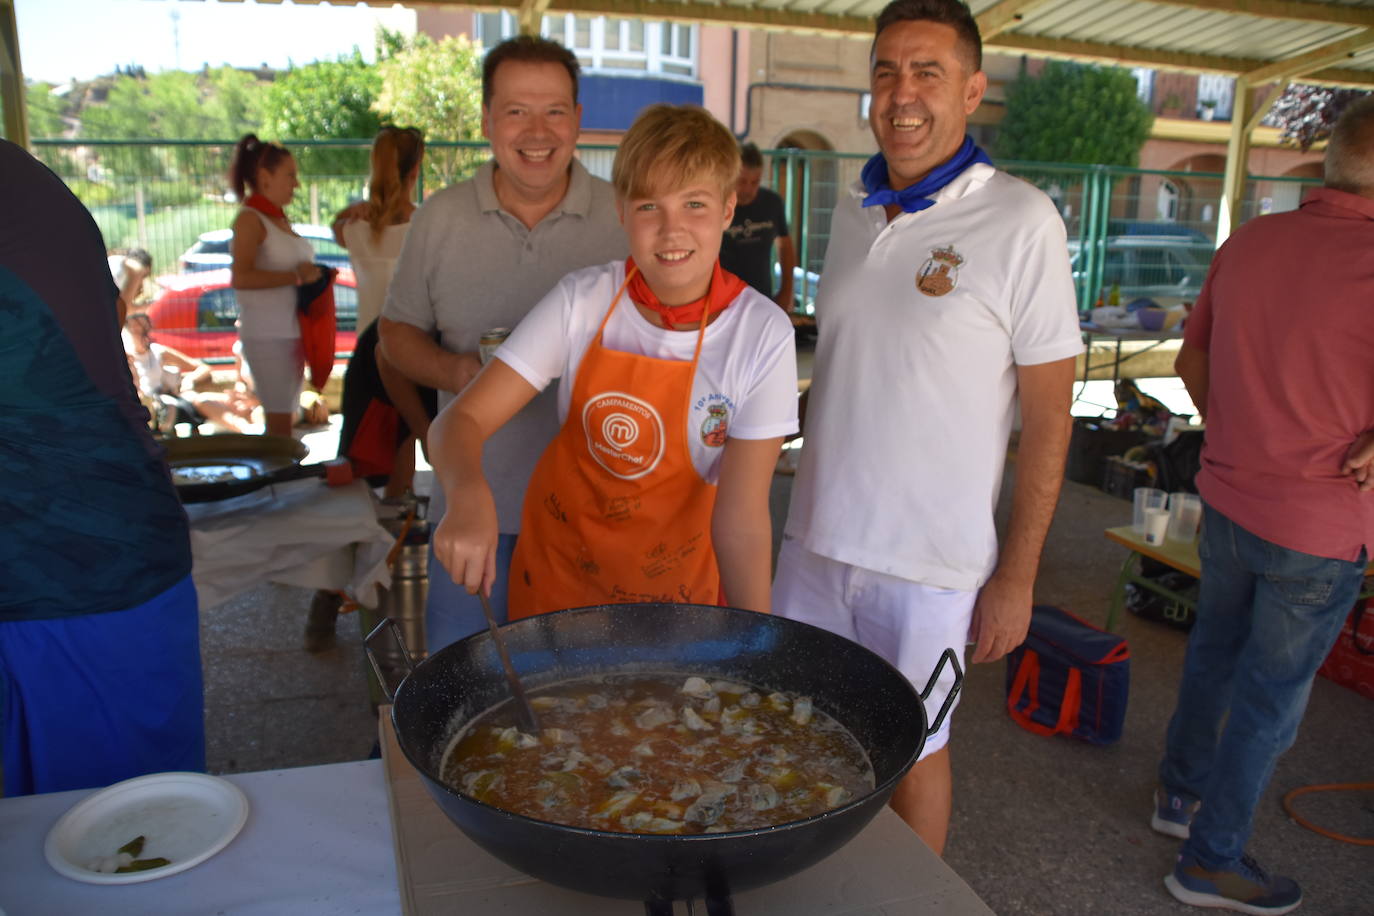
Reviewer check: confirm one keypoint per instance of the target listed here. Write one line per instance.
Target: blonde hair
(395, 153)
(669, 145)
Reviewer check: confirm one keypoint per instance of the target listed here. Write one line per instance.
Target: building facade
(784, 90)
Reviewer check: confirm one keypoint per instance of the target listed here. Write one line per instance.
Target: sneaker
(1244, 887)
(1172, 814)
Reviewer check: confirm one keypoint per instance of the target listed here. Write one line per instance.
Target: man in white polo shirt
(946, 300)
(478, 256)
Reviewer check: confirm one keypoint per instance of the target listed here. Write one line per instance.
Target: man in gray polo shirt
(478, 256)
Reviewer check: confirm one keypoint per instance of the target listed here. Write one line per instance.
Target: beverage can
(489, 341)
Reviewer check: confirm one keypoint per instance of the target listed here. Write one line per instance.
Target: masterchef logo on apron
(624, 434)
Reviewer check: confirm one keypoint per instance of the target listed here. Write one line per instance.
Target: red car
(195, 313)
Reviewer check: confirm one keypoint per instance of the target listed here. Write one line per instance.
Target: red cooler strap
(1027, 682)
(1073, 702)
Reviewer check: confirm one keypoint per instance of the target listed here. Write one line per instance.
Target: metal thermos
(403, 601)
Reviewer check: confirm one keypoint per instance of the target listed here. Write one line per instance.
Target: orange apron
(615, 511)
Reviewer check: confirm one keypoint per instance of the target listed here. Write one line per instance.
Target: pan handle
(395, 630)
(947, 656)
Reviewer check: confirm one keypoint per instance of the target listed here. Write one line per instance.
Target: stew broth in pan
(661, 753)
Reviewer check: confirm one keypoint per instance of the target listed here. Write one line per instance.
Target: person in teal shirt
(100, 676)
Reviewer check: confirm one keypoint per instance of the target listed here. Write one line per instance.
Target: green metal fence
(1145, 233)
(1138, 231)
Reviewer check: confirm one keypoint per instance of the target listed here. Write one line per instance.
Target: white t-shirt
(117, 272)
(374, 261)
(748, 363)
(922, 323)
(269, 314)
(468, 266)
(153, 377)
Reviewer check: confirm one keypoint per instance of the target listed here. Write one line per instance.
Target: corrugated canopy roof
(1262, 40)
(1318, 41)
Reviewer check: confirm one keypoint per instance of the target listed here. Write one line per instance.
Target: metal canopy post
(12, 78)
(1246, 118)
(531, 15)
(1237, 158)
(802, 221)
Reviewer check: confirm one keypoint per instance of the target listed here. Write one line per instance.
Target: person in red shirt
(1277, 356)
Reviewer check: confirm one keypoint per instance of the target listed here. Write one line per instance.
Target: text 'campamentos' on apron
(616, 511)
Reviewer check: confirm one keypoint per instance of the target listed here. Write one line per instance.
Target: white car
(211, 250)
(804, 285)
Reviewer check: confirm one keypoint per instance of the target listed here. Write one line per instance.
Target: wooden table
(1179, 555)
(1115, 358)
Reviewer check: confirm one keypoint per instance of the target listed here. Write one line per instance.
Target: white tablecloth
(317, 841)
(300, 533)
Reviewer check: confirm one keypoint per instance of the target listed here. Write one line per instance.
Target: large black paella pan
(874, 701)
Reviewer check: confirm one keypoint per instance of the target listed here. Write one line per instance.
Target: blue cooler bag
(1069, 678)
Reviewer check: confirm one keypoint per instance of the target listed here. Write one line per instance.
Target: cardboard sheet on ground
(301, 533)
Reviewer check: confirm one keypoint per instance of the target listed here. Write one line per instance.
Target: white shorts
(276, 366)
(907, 623)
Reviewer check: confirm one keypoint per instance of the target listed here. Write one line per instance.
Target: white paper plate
(186, 818)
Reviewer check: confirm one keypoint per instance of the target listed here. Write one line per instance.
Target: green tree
(165, 106)
(235, 102)
(1074, 113)
(326, 100)
(437, 87)
(45, 111)
(174, 105)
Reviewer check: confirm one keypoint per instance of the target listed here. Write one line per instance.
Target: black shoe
(319, 625)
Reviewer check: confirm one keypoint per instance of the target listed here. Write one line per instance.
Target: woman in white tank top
(373, 230)
(269, 261)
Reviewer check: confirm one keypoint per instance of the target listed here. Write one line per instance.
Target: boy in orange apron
(677, 387)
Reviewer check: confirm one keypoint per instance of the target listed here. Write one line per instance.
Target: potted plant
(1207, 109)
(1172, 106)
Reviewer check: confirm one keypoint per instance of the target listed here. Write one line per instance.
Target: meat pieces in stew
(661, 753)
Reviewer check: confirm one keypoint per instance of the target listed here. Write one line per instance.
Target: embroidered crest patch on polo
(716, 427)
(940, 273)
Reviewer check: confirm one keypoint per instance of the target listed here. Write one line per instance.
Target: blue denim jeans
(1266, 618)
(450, 612)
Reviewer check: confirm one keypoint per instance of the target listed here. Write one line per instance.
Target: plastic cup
(1156, 526)
(1185, 515)
(1146, 498)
